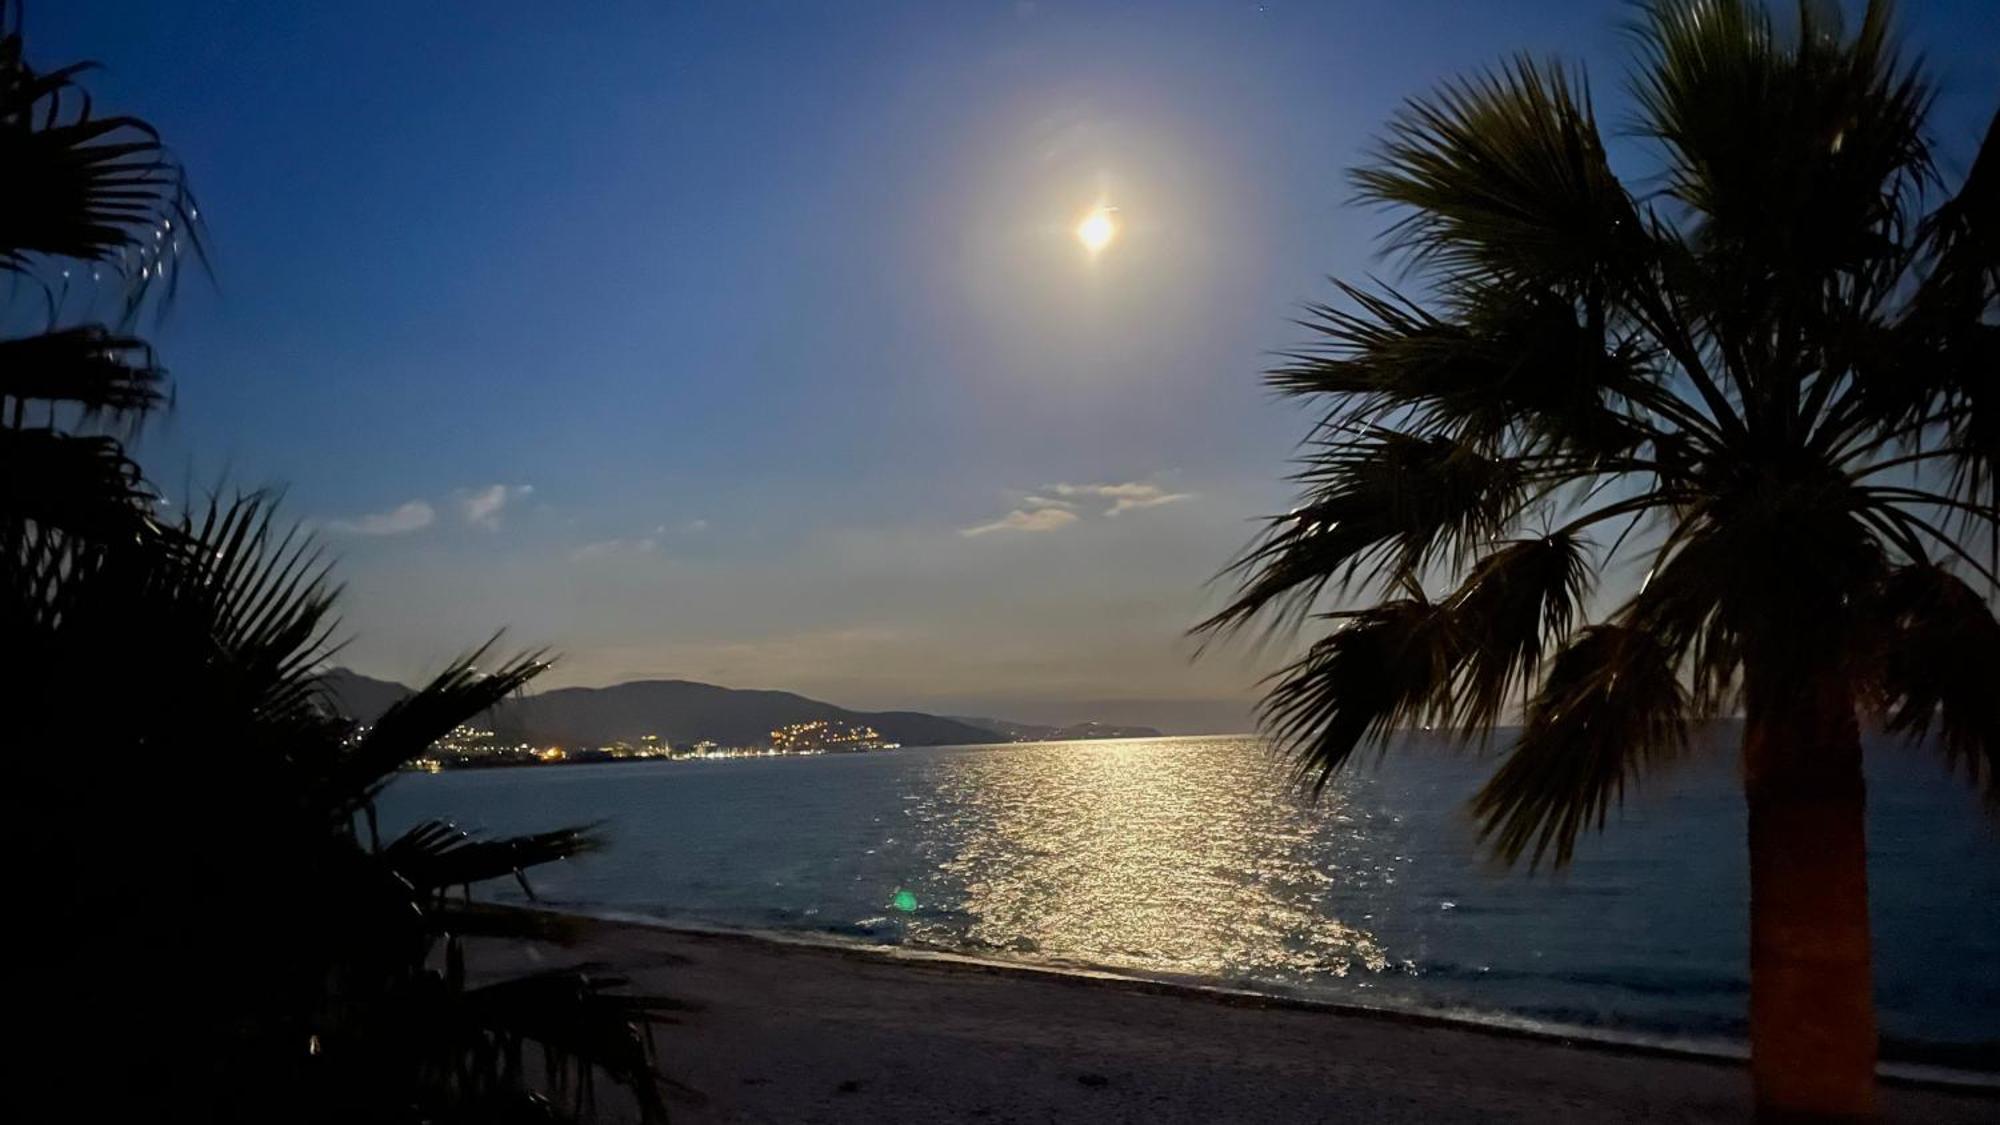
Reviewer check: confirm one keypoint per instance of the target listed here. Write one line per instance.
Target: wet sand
(803, 1033)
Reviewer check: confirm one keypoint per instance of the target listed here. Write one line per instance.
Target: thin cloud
(1047, 502)
(1025, 519)
(1060, 505)
(414, 515)
(1137, 503)
(644, 545)
(482, 508)
(1130, 496)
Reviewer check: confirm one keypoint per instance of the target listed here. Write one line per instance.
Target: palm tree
(1757, 398)
(210, 923)
(220, 848)
(94, 212)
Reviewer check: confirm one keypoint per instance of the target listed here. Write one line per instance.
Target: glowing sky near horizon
(759, 343)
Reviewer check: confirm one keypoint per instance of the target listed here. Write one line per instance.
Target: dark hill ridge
(685, 711)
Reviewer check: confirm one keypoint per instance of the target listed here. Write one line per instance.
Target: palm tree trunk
(1812, 1004)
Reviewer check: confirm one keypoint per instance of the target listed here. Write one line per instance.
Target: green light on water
(904, 901)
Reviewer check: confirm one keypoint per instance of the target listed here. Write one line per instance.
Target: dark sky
(752, 342)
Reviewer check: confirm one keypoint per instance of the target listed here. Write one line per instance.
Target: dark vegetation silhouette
(206, 924)
(1759, 384)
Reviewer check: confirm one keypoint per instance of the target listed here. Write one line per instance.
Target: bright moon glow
(1096, 229)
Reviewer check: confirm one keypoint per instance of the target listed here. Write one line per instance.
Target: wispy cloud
(1060, 505)
(1128, 497)
(643, 545)
(414, 515)
(1025, 519)
(482, 507)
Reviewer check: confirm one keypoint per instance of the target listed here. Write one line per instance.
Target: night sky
(754, 344)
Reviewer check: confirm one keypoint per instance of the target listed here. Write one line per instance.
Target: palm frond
(1941, 667)
(458, 694)
(436, 855)
(1508, 365)
(265, 594)
(80, 483)
(1610, 708)
(1505, 178)
(1377, 506)
(85, 366)
(99, 190)
(1513, 606)
(1798, 154)
(1383, 668)
(582, 1027)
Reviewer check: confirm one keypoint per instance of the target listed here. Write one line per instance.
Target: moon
(1097, 230)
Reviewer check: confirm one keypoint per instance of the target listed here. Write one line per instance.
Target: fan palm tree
(1758, 398)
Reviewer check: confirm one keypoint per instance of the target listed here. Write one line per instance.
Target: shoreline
(793, 1027)
(1721, 1052)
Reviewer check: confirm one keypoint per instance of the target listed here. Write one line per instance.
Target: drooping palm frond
(1924, 381)
(1610, 708)
(98, 190)
(1383, 668)
(1378, 504)
(1941, 667)
(437, 855)
(581, 1026)
(82, 483)
(1514, 604)
(87, 366)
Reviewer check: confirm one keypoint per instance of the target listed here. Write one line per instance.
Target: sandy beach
(788, 1032)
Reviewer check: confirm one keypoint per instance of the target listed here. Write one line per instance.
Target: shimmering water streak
(1192, 858)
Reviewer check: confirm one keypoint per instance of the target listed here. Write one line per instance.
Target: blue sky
(750, 342)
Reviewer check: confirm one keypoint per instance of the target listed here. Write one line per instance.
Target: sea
(1195, 860)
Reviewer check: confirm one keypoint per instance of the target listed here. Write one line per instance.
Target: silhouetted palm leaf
(1611, 706)
(1942, 669)
(78, 482)
(437, 855)
(86, 366)
(1503, 176)
(1386, 667)
(1514, 603)
(581, 1027)
(407, 729)
(1382, 503)
(101, 190)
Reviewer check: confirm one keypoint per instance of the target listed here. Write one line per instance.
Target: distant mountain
(675, 710)
(684, 711)
(361, 697)
(1074, 732)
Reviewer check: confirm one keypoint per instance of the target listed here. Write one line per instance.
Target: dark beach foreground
(789, 1032)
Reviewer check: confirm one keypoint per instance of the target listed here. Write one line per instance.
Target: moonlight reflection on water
(1119, 855)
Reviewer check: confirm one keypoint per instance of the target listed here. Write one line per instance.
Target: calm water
(1190, 858)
